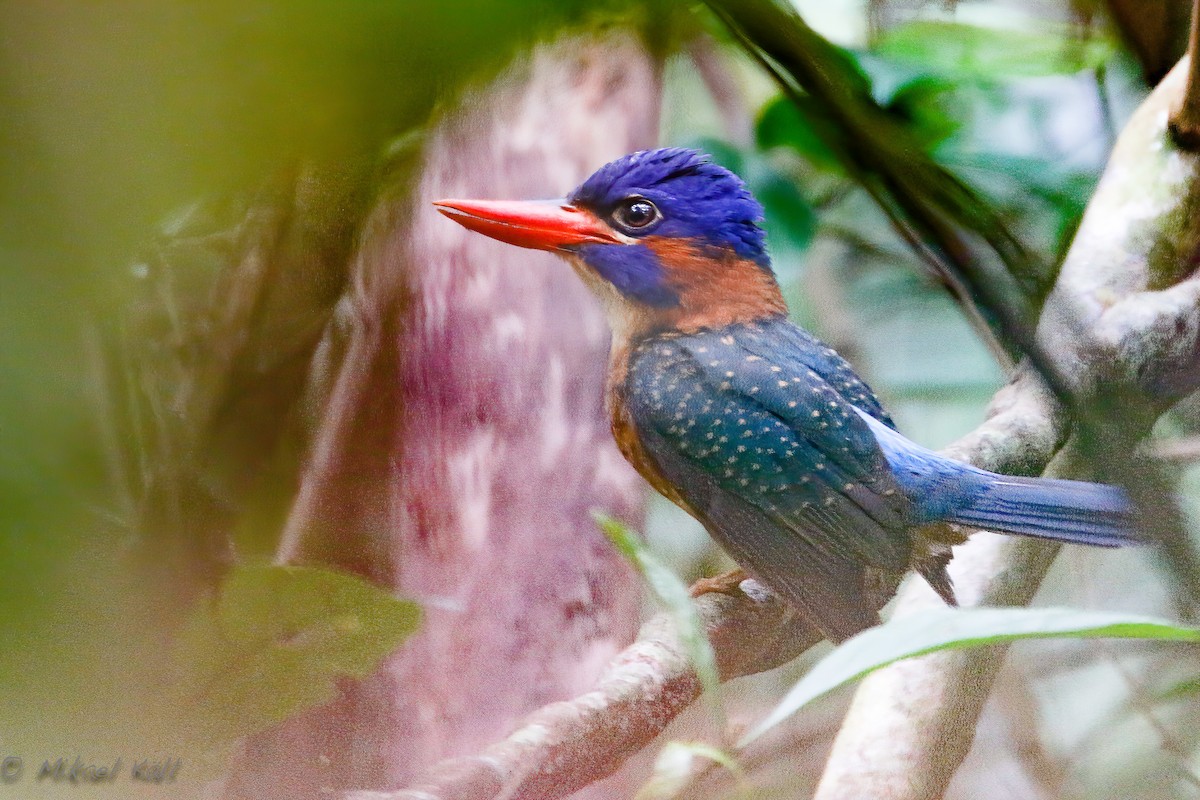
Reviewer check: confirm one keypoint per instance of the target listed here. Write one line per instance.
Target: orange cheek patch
(715, 288)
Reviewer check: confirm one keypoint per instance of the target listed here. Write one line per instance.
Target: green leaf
(791, 219)
(782, 123)
(677, 600)
(990, 53)
(953, 629)
(921, 106)
(276, 638)
(675, 768)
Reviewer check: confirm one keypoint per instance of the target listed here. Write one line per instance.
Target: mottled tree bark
(463, 442)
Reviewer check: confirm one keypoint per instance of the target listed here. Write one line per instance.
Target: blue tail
(945, 490)
(1065, 511)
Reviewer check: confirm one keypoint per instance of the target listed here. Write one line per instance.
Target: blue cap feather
(700, 201)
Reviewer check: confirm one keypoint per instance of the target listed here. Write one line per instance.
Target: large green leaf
(925, 107)
(953, 629)
(783, 123)
(276, 638)
(791, 219)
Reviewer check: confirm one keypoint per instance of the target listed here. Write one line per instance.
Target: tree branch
(565, 746)
(1124, 312)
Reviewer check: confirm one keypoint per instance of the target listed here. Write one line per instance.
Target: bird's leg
(725, 583)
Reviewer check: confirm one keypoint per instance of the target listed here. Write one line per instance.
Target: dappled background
(233, 335)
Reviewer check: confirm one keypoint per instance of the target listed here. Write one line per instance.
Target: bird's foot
(726, 583)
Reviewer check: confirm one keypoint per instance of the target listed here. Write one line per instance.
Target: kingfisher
(749, 423)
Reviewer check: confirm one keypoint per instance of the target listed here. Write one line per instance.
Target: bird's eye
(636, 212)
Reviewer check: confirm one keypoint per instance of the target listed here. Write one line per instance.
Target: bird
(752, 425)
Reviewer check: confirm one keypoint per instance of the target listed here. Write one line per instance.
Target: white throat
(625, 317)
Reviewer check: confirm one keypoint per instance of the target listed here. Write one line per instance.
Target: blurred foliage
(274, 640)
(121, 120)
(940, 86)
(956, 232)
(991, 53)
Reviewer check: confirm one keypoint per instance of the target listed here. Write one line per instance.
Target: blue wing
(772, 338)
(755, 428)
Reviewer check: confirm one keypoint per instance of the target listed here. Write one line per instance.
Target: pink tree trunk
(463, 441)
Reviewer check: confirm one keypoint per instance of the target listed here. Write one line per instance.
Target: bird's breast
(625, 428)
